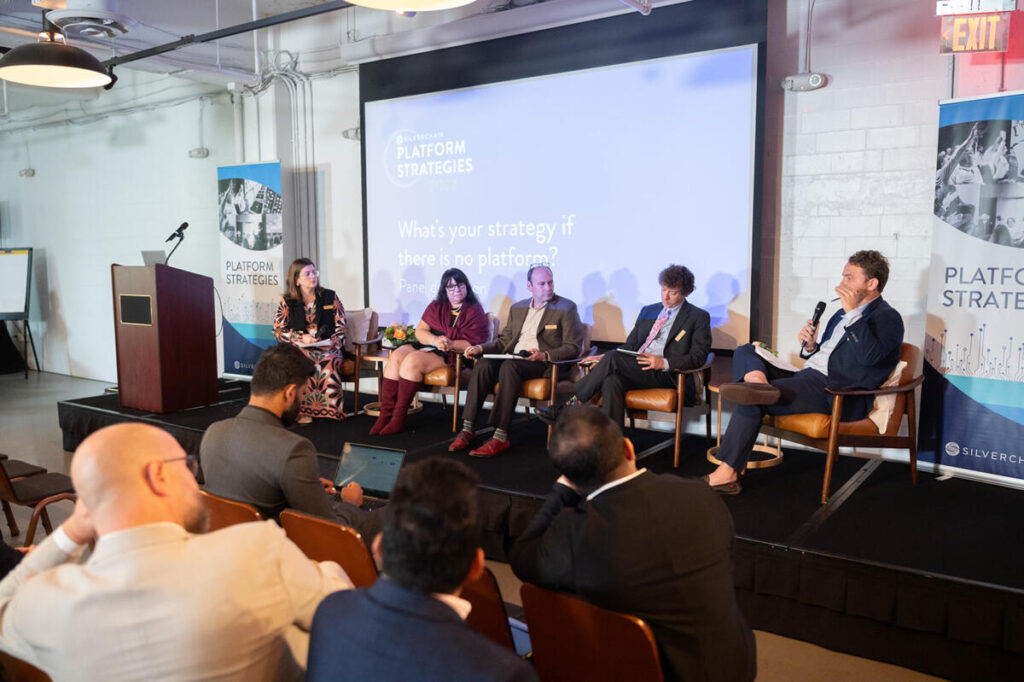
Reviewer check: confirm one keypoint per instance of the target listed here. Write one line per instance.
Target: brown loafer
(744, 393)
(461, 442)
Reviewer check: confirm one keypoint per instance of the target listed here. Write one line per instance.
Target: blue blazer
(389, 632)
(869, 349)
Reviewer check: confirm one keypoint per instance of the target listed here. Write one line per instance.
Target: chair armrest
(368, 342)
(883, 391)
(593, 349)
(695, 370)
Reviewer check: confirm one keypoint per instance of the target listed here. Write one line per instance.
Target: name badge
(329, 307)
(551, 326)
(681, 334)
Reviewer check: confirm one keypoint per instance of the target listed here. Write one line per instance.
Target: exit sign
(974, 33)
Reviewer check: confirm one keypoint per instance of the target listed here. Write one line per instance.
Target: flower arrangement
(397, 334)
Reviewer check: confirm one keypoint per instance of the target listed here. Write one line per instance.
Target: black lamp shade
(52, 65)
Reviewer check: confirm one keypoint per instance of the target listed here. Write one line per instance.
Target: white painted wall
(102, 192)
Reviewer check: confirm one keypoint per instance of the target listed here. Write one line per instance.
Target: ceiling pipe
(256, 25)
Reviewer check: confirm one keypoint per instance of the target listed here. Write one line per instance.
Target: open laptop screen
(374, 468)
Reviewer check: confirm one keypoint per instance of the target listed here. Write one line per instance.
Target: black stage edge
(928, 577)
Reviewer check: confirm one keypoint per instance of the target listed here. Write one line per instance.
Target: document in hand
(769, 356)
(325, 343)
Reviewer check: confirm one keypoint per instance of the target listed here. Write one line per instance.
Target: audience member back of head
(410, 624)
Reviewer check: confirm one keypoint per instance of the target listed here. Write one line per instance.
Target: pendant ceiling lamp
(52, 63)
(411, 5)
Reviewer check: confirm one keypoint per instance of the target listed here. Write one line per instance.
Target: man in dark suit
(544, 328)
(859, 349)
(658, 547)
(669, 335)
(254, 458)
(410, 624)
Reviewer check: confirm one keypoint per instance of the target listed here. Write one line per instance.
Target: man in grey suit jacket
(670, 335)
(544, 328)
(254, 459)
(154, 601)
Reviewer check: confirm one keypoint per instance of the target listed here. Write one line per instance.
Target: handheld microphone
(816, 317)
(179, 233)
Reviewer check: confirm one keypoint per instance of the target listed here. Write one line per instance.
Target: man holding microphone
(859, 349)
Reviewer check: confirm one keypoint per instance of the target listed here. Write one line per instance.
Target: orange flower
(399, 334)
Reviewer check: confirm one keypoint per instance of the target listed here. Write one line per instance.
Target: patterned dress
(324, 399)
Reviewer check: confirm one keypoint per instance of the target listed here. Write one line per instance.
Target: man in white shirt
(154, 601)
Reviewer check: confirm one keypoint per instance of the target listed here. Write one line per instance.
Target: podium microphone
(179, 233)
(816, 317)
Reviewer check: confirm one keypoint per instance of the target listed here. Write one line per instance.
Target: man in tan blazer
(154, 601)
(542, 329)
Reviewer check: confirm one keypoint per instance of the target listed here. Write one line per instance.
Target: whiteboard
(15, 274)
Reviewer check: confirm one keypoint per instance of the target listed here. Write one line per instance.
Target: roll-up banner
(972, 403)
(251, 269)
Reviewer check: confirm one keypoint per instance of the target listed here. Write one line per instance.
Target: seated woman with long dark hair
(310, 314)
(452, 322)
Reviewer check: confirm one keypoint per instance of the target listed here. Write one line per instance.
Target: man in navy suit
(410, 624)
(669, 335)
(860, 348)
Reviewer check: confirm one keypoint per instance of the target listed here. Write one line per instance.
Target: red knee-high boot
(388, 391)
(406, 392)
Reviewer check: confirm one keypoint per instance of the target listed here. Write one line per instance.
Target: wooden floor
(29, 431)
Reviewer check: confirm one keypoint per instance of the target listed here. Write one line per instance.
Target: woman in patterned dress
(310, 314)
(452, 322)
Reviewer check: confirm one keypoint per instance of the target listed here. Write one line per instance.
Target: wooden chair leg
(11, 523)
(678, 435)
(458, 388)
(355, 380)
(912, 431)
(833, 437)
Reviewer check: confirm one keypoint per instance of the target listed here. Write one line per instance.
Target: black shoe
(730, 488)
(549, 415)
(744, 393)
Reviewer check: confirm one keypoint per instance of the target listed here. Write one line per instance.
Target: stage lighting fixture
(410, 7)
(52, 63)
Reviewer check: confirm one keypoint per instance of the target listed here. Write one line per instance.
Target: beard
(291, 413)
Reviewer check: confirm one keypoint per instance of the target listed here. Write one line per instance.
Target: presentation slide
(607, 174)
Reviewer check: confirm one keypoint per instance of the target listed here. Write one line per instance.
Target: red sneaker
(461, 442)
(491, 448)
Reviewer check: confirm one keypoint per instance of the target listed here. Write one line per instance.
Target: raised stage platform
(929, 577)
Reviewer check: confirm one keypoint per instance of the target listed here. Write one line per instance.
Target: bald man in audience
(155, 601)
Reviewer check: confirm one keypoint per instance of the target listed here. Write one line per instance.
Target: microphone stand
(180, 234)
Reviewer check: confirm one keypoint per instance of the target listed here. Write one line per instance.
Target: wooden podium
(166, 344)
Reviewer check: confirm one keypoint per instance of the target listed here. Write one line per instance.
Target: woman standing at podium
(312, 318)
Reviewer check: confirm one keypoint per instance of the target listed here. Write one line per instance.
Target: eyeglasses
(309, 273)
(453, 287)
(191, 461)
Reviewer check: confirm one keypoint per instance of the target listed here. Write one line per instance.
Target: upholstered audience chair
(826, 431)
(361, 338)
(16, 670)
(451, 380)
(323, 540)
(574, 641)
(488, 616)
(225, 512)
(669, 404)
(38, 490)
(15, 469)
